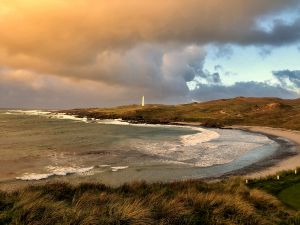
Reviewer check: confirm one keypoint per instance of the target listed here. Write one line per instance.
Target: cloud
(223, 51)
(116, 50)
(265, 51)
(219, 68)
(248, 89)
(207, 77)
(26, 89)
(289, 81)
(44, 91)
(287, 76)
(161, 74)
(281, 34)
(58, 34)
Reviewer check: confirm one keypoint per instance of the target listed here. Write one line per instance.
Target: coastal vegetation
(286, 187)
(272, 112)
(229, 202)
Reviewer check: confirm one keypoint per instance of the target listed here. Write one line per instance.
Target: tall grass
(187, 202)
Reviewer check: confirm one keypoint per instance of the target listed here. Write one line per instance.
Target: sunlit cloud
(130, 48)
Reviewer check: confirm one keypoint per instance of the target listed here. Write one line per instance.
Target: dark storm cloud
(161, 74)
(248, 89)
(283, 89)
(209, 78)
(224, 51)
(285, 76)
(281, 34)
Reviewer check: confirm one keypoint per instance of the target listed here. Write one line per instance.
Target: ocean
(39, 145)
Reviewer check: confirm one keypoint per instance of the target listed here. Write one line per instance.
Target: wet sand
(284, 161)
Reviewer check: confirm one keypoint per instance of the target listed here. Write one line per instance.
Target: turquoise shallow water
(47, 146)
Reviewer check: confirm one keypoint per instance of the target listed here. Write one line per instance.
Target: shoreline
(286, 158)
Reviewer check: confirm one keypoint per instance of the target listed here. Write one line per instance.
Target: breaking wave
(54, 171)
(117, 168)
(202, 135)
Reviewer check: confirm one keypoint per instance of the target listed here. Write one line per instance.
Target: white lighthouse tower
(143, 101)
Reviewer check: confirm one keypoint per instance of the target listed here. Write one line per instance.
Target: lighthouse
(143, 101)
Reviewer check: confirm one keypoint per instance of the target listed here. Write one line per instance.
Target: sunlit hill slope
(272, 112)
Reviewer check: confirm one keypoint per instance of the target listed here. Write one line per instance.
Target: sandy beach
(289, 163)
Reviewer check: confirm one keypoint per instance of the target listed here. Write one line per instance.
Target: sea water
(39, 145)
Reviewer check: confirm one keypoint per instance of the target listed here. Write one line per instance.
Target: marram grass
(186, 202)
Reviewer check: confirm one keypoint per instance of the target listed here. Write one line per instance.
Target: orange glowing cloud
(74, 31)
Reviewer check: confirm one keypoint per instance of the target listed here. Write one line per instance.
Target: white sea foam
(113, 122)
(47, 114)
(34, 176)
(64, 116)
(29, 112)
(103, 166)
(231, 145)
(55, 171)
(117, 168)
(203, 135)
(63, 171)
(174, 162)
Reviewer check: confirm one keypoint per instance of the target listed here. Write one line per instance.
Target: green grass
(228, 202)
(287, 189)
(291, 196)
(274, 186)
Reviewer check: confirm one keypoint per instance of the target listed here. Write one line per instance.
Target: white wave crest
(63, 171)
(117, 168)
(28, 112)
(63, 116)
(34, 176)
(114, 122)
(55, 171)
(203, 135)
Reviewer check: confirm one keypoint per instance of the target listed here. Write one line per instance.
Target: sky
(99, 53)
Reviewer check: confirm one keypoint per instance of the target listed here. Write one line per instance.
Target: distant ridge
(272, 112)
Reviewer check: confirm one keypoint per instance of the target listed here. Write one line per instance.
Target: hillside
(272, 112)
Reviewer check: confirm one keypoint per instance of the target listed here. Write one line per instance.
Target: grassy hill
(272, 112)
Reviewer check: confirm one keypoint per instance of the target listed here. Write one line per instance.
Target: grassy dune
(272, 112)
(187, 202)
